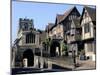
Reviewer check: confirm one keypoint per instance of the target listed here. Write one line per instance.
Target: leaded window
(87, 28)
(30, 38)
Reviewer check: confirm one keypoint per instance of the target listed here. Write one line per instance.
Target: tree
(48, 41)
(48, 44)
(64, 48)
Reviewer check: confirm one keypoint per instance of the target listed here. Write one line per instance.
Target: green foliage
(48, 41)
(64, 47)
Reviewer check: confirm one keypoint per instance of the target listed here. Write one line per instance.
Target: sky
(41, 13)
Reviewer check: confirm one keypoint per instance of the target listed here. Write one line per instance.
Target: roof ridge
(70, 9)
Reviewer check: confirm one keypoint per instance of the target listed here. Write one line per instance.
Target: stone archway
(55, 49)
(28, 58)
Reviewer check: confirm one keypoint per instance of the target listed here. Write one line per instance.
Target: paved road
(35, 70)
(58, 64)
(66, 62)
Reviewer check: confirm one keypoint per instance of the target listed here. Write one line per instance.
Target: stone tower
(25, 45)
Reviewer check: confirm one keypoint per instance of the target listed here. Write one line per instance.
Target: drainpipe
(74, 57)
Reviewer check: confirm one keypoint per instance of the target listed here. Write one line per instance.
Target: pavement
(67, 62)
(86, 65)
(59, 64)
(16, 71)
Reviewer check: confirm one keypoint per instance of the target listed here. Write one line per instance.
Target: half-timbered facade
(75, 34)
(66, 22)
(60, 30)
(88, 23)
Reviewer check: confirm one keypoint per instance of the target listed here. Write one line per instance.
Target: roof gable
(59, 17)
(67, 13)
(91, 12)
(49, 26)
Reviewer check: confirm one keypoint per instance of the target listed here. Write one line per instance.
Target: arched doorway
(28, 58)
(55, 49)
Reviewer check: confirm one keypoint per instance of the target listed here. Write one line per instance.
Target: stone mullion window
(30, 38)
(33, 38)
(26, 39)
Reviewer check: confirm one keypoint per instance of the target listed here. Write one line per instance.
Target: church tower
(26, 44)
(25, 24)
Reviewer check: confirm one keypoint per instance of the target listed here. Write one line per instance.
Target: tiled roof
(92, 13)
(49, 26)
(66, 14)
(59, 17)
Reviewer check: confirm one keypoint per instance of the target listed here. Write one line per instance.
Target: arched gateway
(55, 49)
(28, 58)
